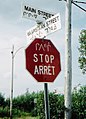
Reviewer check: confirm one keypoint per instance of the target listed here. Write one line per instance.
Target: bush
(79, 103)
(4, 112)
(33, 104)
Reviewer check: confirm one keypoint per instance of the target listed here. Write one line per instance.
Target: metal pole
(46, 100)
(68, 61)
(11, 93)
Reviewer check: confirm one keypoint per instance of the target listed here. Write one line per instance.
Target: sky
(13, 29)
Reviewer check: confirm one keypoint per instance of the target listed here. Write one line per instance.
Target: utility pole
(11, 93)
(68, 61)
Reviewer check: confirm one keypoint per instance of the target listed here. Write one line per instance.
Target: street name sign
(45, 28)
(43, 60)
(35, 13)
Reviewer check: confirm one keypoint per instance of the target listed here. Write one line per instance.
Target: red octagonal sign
(43, 60)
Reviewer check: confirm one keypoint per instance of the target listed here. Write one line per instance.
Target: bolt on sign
(43, 60)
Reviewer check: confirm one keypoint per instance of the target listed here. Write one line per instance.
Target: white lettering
(36, 70)
(48, 46)
(43, 46)
(47, 58)
(51, 58)
(49, 70)
(36, 59)
(53, 70)
(44, 70)
(41, 69)
(41, 57)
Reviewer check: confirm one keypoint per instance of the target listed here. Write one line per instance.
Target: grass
(27, 118)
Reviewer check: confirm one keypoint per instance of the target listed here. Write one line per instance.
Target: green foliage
(32, 104)
(56, 103)
(56, 106)
(24, 102)
(79, 103)
(40, 105)
(53, 105)
(4, 112)
(2, 100)
(82, 51)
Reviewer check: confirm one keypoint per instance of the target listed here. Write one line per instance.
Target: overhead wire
(79, 5)
(80, 2)
(74, 2)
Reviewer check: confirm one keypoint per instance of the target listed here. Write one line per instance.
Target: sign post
(42, 58)
(46, 96)
(43, 62)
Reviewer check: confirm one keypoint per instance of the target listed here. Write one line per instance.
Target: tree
(2, 100)
(79, 103)
(82, 50)
(56, 106)
(40, 105)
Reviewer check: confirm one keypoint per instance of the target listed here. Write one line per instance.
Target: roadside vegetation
(31, 105)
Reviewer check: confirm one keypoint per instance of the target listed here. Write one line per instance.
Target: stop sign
(43, 60)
